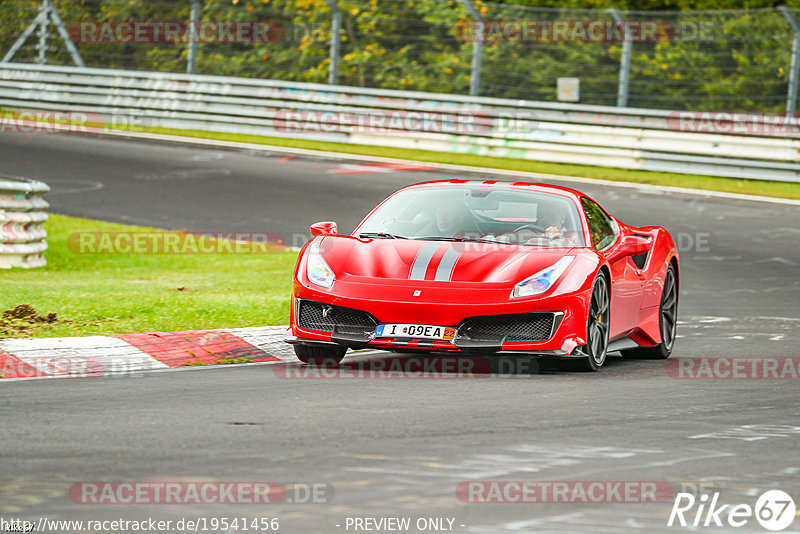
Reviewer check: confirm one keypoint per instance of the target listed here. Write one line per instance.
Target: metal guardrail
(22, 212)
(626, 138)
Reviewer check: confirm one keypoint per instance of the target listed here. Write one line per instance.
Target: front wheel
(596, 346)
(319, 356)
(667, 320)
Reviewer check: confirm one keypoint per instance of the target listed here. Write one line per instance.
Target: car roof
(543, 188)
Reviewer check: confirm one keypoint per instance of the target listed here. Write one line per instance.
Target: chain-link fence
(743, 60)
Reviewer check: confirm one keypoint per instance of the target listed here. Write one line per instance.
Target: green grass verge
(125, 293)
(711, 183)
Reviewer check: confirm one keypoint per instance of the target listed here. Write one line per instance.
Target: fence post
(44, 32)
(794, 68)
(624, 62)
(336, 41)
(477, 49)
(191, 60)
(62, 31)
(22, 38)
(47, 14)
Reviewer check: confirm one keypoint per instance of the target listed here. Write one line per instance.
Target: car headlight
(317, 270)
(543, 280)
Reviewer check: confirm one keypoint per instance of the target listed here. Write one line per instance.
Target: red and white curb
(93, 356)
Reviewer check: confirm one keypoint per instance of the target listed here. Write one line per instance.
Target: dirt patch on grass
(22, 319)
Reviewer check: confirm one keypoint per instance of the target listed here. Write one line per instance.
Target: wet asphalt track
(400, 447)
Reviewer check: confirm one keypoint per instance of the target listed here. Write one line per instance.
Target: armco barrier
(22, 212)
(625, 138)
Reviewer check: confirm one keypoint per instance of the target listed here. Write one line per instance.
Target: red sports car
(466, 266)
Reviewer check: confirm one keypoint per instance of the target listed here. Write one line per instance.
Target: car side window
(600, 227)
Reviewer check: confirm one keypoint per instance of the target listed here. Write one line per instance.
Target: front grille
(517, 327)
(311, 315)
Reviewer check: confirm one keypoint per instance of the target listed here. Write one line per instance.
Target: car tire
(667, 322)
(319, 356)
(598, 321)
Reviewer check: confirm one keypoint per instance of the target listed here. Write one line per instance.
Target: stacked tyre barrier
(22, 213)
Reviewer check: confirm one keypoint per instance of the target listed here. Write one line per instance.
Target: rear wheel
(599, 318)
(667, 320)
(319, 356)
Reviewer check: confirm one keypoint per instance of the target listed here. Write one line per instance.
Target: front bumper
(445, 306)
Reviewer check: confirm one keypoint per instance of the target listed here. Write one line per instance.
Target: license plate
(425, 331)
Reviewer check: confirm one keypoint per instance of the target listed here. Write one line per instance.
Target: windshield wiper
(380, 235)
(437, 238)
(459, 239)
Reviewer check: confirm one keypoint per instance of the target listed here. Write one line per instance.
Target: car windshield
(477, 213)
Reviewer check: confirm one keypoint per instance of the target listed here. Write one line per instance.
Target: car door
(626, 278)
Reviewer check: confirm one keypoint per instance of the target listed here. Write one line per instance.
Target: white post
(336, 40)
(794, 67)
(191, 59)
(624, 62)
(477, 49)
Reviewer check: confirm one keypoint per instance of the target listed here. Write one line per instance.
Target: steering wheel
(532, 226)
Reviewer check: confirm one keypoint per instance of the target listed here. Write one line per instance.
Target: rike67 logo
(774, 510)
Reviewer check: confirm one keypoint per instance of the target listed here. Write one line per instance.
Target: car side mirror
(324, 228)
(632, 245)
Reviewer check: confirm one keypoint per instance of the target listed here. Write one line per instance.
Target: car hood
(435, 261)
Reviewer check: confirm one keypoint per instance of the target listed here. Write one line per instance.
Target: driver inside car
(552, 218)
(454, 220)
